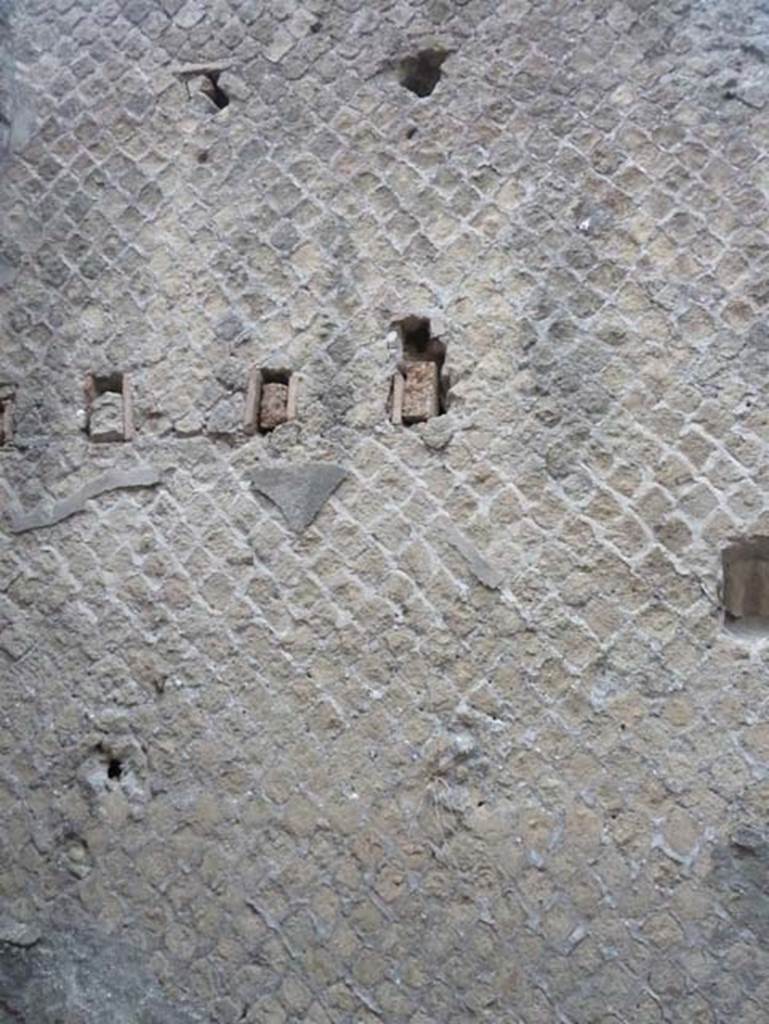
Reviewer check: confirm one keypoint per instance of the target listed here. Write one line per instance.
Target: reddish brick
(420, 393)
(273, 407)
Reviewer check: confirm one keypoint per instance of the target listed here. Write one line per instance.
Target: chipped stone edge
(116, 479)
(483, 571)
(193, 70)
(17, 933)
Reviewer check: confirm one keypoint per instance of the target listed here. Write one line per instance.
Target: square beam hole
(421, 72)
(109, 413)
(745, 589)
(270, 399)
(7, 399)
(419, 387)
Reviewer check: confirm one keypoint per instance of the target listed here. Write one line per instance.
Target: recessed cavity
(114, 768)
(108, 407)
(270, 399)
(6, 417)
(210, 86)
(421, 73)
(419, 387)
(745, 587)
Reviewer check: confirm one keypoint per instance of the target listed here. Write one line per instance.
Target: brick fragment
(420, 393)
(273, 407)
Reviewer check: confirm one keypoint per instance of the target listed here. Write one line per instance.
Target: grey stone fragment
(593, 218)
(7, 272)
(202, 103)
(739, 873)
(192, 12)
(106, 419)
(84, 977)
(225, 416)
(437, 433)
(141, 476)
(747, 837)
(299, 491)
(17, 933)
(233, 85)
(483, 571)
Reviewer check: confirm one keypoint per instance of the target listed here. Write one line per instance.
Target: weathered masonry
(384, 504)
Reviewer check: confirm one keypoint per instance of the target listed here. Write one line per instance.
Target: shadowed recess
(746, 586)
(421, 73)
(213, 90)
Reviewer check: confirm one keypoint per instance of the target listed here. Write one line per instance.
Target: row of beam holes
(271, 401)
(418, 392)
(419, 73)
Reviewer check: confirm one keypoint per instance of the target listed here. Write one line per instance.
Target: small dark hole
(411, 133)
(275, 376)
(421, 74)
(203, 157)
(212, 89)
(730, 89)
(114, 768)
(623, 726)
(419, 344)
(316, 27)
(108, 382)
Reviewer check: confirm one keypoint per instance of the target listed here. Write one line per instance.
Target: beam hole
(210, 86)
(421, 73)
(745, 587)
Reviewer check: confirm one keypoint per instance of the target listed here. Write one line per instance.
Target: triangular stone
(299, 490)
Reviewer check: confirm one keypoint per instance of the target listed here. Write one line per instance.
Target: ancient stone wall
(381, 385)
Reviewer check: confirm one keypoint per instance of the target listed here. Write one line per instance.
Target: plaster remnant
(86, 976)
(300, 491)
(739, 873)
(116, 479)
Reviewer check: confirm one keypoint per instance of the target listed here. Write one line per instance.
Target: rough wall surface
(463, 736)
